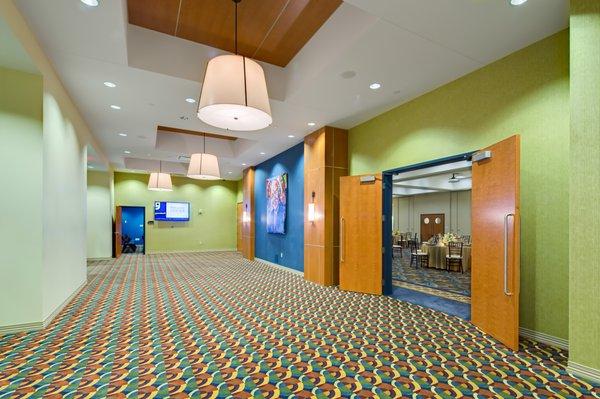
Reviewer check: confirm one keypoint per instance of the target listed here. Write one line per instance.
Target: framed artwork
(276, 203)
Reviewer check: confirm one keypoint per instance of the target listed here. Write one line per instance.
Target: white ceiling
(410, 46)
(434, 179)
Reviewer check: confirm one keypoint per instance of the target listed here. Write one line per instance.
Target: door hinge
(382, 250)
(383, 218)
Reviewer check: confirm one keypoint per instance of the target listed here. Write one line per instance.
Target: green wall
(526, 93)
(214, 229)
(21, 225)
(584, 200)
(99, 214)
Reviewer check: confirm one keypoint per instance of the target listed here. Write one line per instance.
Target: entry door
(495, 242)
(118, 239)
(432, 224)
(361, 234)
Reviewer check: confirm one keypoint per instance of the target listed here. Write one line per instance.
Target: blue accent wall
(284, 249)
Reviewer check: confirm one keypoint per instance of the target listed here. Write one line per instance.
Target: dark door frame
(143, 224)
(387, 209)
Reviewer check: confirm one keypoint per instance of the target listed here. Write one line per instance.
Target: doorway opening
(430, 234)
(133, 233)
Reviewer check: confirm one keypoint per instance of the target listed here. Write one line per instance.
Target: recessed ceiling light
(311, 123)
(123, 134)
(90, 167)
(190, 100)
(262, 153)
(229, 172)
(127, 152)
(517, 2)
(110, 84)
(91, 3)
(291, 136)
(375, 86)
(115, 107)
(243, 164)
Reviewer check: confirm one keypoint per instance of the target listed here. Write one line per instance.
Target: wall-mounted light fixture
(246, 215)
(311, 209)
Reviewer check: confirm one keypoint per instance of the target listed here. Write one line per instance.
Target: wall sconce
(311, 209)
(246, 215)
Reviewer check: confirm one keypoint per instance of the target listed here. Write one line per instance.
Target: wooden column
(248, 213)
(325, 161)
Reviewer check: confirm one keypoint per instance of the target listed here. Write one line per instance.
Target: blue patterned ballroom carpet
(439, 282)
(213, 325)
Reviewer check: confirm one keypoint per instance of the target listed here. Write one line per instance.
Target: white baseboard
(18, 328)
(38, 325)
(64, 304)
(190, 251)
(287, 269)
(586, 372)
(544, 338)
(107, 258)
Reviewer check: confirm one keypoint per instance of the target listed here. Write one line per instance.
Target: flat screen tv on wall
(171, 211)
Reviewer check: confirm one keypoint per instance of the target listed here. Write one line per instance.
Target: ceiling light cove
(110, 84)
(375, 86)
(234, 92)
(190, 100)
(90, 3)
(115, 107)
(517, 2)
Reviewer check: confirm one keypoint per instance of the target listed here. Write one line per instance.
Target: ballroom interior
(300, 198)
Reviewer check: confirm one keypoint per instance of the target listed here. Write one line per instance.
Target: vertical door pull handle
(342, 235)
(506, 217)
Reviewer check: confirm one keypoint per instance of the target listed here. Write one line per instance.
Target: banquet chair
(454, 257)
(417, 256)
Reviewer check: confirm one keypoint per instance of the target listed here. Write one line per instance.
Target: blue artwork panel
(276, 204)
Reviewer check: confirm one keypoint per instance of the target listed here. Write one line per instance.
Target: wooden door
(432, 224)
(117, 236)
(240, 214)
(361, 234)
(495, 248)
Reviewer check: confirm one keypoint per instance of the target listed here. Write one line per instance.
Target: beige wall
(99, 215)
(406, 211)
(64, 205)
(21, 199)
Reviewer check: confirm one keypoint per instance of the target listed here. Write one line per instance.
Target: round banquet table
(437, 256)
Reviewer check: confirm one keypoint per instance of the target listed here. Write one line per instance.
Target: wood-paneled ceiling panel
(272, 31)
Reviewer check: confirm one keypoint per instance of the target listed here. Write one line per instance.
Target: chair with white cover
(420, 258)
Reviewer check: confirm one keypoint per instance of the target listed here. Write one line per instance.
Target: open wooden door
(361, 234)
(495, 252)
(118, 243)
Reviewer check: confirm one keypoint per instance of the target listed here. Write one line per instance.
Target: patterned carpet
(213, 325)
(434, 279)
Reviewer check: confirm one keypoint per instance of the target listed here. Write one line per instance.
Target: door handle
(342, 227)
(508, 215)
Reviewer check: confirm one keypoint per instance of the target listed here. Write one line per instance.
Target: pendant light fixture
(204, 166)
(234, 92)
(160, 181)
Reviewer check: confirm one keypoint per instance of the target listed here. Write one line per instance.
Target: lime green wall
(526, 93)
(21, 224)
(584, 289)
(240, 192)
(214, 229)
(99, 214)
